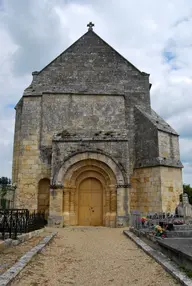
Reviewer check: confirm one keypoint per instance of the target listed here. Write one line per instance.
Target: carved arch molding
(75, 171)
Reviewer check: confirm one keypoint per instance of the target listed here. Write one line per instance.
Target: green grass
(188, 272)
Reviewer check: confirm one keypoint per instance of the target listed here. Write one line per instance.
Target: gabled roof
(83, 38)
(89, 65)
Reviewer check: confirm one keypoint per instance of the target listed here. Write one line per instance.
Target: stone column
(113, 203)
(56, 207)
(66, 206)
(122, 206)
(108, 206)
(72, 207)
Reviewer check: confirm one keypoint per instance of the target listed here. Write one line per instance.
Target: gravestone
(187, 207)
(179, 211)
(184, 208)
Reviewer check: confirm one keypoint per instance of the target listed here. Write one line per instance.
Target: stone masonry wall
(171, 187)
(146, 139)
(117, 150)
(31, 169)
(156, 143)
(17, 140)
(34, 162)
(145, 192)
(155, 189)
(87, 113)
(90, 66)
(168, 145)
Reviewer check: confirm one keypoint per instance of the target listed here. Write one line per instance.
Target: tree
(4, 185)
(5, 181)
(188, 190)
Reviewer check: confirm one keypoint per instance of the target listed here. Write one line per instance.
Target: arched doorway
(90, 194)
(64, 201)
(43, 196)
(90, 202)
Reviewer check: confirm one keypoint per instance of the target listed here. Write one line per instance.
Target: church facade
(88, 148)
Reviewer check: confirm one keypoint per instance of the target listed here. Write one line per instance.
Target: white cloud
(156, 38)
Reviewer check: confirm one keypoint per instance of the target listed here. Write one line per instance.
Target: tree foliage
(188, 190)
(4, 185)
(5, 181)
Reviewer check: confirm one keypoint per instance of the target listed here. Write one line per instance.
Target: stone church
(88, 148)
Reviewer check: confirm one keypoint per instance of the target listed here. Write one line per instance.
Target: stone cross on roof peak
(90, 25)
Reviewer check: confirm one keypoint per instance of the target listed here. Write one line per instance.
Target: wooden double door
(90, 203)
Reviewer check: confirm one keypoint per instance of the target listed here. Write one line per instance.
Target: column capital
(112, 188)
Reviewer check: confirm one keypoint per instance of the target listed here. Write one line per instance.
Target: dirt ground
(93, 256)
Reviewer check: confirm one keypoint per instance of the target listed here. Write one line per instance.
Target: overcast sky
(156, 36)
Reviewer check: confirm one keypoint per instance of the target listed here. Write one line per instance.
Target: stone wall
(145, 192)
(91, 67)
(117, 150)
(156, 143)
(168, 145)
(35, 129)
(85, 113)
(155, 189)
(17, 141)
(37, 126)
(146, 140)
(171, 187)
(30, 167)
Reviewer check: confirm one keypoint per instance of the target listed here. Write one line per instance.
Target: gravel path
(10, 255)
(93, 256)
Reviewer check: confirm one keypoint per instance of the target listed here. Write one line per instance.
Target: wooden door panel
(90, 202)
(84, 203)
(96, 202)
(84, 216)
(96, 218)
(96, 198)
(84, 198)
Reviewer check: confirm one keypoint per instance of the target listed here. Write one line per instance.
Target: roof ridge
(88, 32)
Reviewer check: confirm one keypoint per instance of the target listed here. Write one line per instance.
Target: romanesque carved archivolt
(105, 160)
(89, 165)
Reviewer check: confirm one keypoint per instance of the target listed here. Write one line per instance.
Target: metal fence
(141, 220)
(18, 221)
